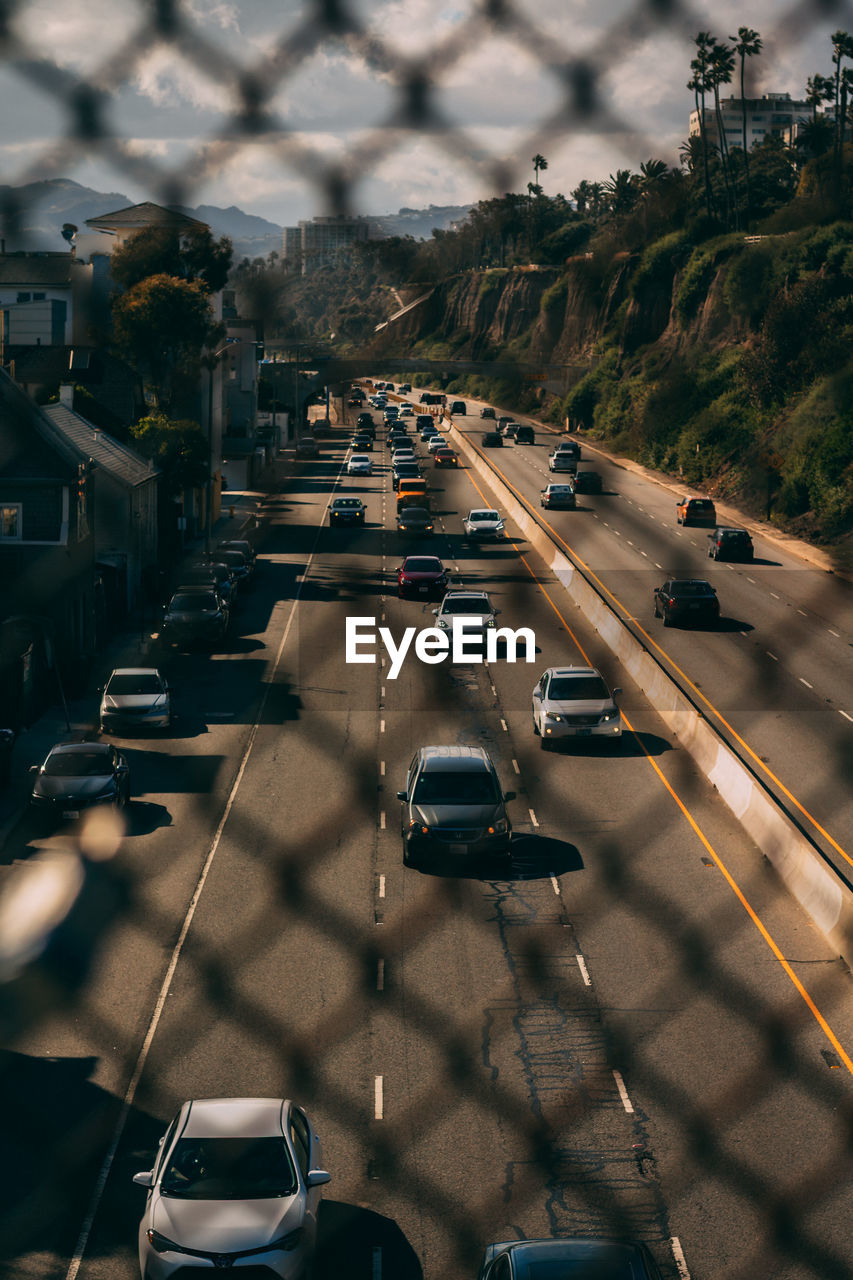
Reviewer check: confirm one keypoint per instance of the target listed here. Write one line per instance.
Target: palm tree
(596, 196)
(747, 44)
(699, 84)
(721, 68)
(582, 195)
(842, 47)
(651, 173)
(622, 190)
(539, 163)
(819, 89)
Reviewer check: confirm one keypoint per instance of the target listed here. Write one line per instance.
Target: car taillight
(671, 600)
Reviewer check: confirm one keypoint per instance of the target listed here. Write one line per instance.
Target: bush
(699, 272)
(659, 262)
(749, 283)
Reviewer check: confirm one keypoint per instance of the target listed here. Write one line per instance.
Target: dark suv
(686, 600)
(195, 615)
(731, 544)
(454, 808)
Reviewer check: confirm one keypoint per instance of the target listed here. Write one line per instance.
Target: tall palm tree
(621, 187)
(747, 43)
(721, 69)
(596, 197)
(699, 84)
(842, 47)
(582, 195)
(539, 163)
(651, 173)
(819, 89)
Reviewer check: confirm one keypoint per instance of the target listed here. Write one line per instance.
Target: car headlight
(160, 1244)
(418, 827)
(553, 715)
(499, 828)
(491, 622)
(443, 624)
(288, 1242)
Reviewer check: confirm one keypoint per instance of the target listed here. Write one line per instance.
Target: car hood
(455, 620)
(46, 785)
(433, 575)
(581, 706)
(191, 615)
(485, 525)
(456, 815)
(225, 1226)
(133, 701)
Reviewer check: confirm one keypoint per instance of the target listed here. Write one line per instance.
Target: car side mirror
(34, 768)
(435, 611)
(495, 612)
(122, 768)
(655, 589)
(537, 692)
(509, 795)
(144, 1179)
(616, 690)
(317, 1178)
(401, 795)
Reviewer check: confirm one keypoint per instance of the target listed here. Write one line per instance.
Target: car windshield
(611, 1268)
(691, 589)
(560, 490)
(186, 603)
(467, 604)
(575, 688)
(359, 457)
(135, 684)
(78, 764)
(229, 1169)
(484, 515)
(347, 502)
(412, 515)
(422, 564)
(461, 787)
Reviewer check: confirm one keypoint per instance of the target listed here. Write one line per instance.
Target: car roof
(406, 513)
(347, 502)
(690, 582)
(225, 1117)
(466, 759)
(71, 748)
(134, 671)
(482, 511)
(730, 528)
(573, 671)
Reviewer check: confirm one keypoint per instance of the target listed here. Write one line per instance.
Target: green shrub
(658, 263)
(699, 272)
(554, 298)
(750, 282)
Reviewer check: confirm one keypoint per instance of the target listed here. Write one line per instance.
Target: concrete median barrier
(814, 883)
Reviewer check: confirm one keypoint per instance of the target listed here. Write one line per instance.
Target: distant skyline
(169, 107)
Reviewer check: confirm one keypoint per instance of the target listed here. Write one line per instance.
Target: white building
(772, 113)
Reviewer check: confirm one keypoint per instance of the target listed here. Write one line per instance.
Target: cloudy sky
(170, 117)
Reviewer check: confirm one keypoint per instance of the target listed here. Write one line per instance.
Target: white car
(437, 442)
(574, 702)
(471, 609)
(135, 698)
(360, 464)
(562, 461)
(483, 523)
(235, 1184)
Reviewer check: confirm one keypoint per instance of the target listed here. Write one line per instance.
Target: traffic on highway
(396, 936)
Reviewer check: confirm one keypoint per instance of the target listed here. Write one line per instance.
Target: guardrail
(815, 885)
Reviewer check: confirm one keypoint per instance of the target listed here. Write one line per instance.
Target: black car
(487, 411)
(424, 420)
(78, 776)
(460, 407)
(686, 600)
(321, 427)
(362, 443)
(307, 447)
(238, 544)
(414, 522)
(453, 807)
(365, 420)
(572, 1256)
(239, 564)
(491, 440)
(204, 572)
(525, 434)
(347, 511)
(195, 615)
(731, 544)
(404, 471)
(587, 482)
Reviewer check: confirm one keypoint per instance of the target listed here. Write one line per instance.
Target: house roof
(36, 268)
(147, 214)
(109, 380)
(122, 462)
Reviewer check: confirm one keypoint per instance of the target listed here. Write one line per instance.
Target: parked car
(203, 573)
(359, 465)
(558, 497)
(728, 543)
(239, 564)
(460, 407)
(695, 511)
(525, 434)
(414, 522)
(77, 776)
(195, 615)
(346, 511)
(587, 482)
(235, 1184)
(483, 523)
(421, 577)
(487, 411)
(135, 698)
(491, 440)
(453, 808)
(578, 1257)
(574, 702)
(686, 600)
(238, 544)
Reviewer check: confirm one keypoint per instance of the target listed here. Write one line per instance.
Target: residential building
(124, 512)
(110, 389)
(48, 609)
(44, 299)
(772, 113)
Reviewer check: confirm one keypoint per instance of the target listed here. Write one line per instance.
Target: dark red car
(445, 458)
(421, 577)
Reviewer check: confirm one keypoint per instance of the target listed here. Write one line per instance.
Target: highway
(636, 1032)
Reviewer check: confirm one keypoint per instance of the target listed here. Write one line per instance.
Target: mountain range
(46, 206)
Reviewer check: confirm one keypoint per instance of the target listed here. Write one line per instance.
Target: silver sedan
(574, 702)
(235, 1184)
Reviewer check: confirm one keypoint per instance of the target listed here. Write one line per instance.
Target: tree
(621, 187)
(188, 255)
(842, 47)
(699, 83)
(179, 448)
(161, 325)
(747, 44)
(539, 163)
(582, 195)
(721, 62)
(819, 89)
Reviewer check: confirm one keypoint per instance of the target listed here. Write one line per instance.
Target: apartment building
(772, 113)
(317, 242)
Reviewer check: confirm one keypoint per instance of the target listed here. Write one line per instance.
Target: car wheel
(545, 743)
(657, 610)
(407, 857)
(667, 620)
